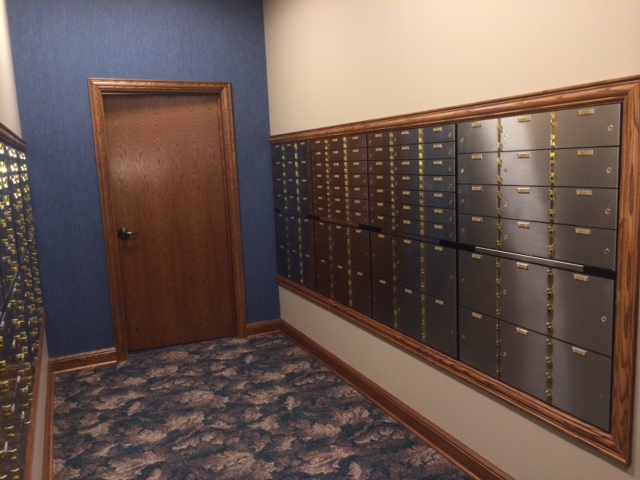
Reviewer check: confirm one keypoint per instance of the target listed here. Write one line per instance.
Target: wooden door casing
(199, 249)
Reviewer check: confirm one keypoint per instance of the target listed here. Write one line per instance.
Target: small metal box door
(409, 263)
(445, 216)
(382, 301)
(591, 207)
(355, 154)
(406, 167)
(478, 168)
(439, 199)
(528, 238)
(445, 183)
(582, 384)
(587, 167)
(405, 137)
(597, 126)
(523, 294)
(525, 203)
(380, 167)
(478, 341)
(440, 231)
(361, 292)
(381, 208)
(526, 168)
(356, 141)
(478, 136)
(478, 200)
(526, 132)
(442, 166)
(523, 361)
(586, 246)
(378, 138)
(410, 311)
(440, 272)
(379, 153)
(477, 230)
(583, 307)
(408, 152)
(440, 133)
(477, 282)
(442, 326)
(382, 256)
(439, 150)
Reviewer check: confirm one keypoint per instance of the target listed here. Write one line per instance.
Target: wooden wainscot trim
(263, 328)
(428, 432)
(81, 361)
(616, 443)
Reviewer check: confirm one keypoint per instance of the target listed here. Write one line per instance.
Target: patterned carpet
(228, 409)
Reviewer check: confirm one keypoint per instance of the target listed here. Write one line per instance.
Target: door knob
(124, 233)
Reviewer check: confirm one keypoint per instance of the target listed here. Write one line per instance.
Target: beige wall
(9, 115)
(336, 61)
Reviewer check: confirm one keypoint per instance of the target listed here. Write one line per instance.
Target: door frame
(98, 89)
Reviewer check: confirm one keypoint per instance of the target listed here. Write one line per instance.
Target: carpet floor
(254, 409)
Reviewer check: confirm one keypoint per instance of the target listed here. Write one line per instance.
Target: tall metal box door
(308, 271)
(478, 341)
(442, 326)
(323, 240)
(590, 207)
(340, 279)
(597, 126)
(323, 277)
(478, 136)
(360, 292)
(523, 294)
(478, 230)
(477, 282)
(583, 307)
(440, 272)
(382, 301)
(359, 250)
(409, 263)
(582, 384)
(526, 168)
(479, 200)
(525, 203)
(339, 244)
(281, 229)
(282, 264)
(586, 246)
(528, 238)
(478, 168)
(303, 232)
(523, 360)
(382, 256)
(410, 312)
(526, 132)
(587, 167)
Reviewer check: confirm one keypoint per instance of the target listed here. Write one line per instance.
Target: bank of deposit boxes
(492, 241)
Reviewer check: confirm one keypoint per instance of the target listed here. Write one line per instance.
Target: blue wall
(57, 46)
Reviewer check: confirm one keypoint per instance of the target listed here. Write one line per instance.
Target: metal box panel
(382, 301)
(586, 246)
(384, 195)
(408, 182)
(414, 212)
(582, 384)
(439, 150)
(360, 292)
(439, 133)
(382, 167)
(379, 138)
(405, 137)
(359, 250)
(528, 238)
(323, 277)
(523, 294)
(318, 144)
(440, 272)
(408, 152)
(525, 203)
(323, 240)
(408, 167)
(408, 197)
(440, 231)
(439, 199)
(477, 230)
(380, 181)
(409, 263)
(477, 277)
(356, 141)
(478, 136)
(352, 191)
(591, 207)
(478, 169)
(523, 362)
(339, 244)
(597, 126)
(442, 326)
(340, 278)
(410, 312)
(355, 154)
(526, 168)
(583, 310)
(445, 216)
(282, 258)
(382, 222)
(443, 166)
(282, 238)
(410, 227)
(526, 132)
(446, 183)
(380, 153)
(382, 256)
(479, 200)
(587, 167)
(302, 234)
(308, 271)
(382, 208)
(478, 343)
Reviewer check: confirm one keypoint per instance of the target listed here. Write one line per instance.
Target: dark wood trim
(47, 460)
(11, 138)
(445, 444)
(98, 88)
(263, 328)
(81, 361)
(617, 443)
(33, 416)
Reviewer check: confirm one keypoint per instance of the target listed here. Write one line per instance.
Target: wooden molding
(98, 88)
(263, 328)
(71, 363)
(445, 444)
(33, 417)
(11, 138)
(616, 443)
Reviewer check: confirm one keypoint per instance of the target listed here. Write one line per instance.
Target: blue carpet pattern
(254, 409)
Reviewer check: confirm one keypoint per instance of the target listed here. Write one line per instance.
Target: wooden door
(167, 184)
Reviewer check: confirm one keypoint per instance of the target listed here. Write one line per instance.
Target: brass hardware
(522, 331)
(476, 125)
(603, 319)
(523, 189)
(476, 156)
(583, 231)
(607, 211)
(524, 119)
(476, 256)
(437, 129)
(438, 248)
(523, 266)
(437, 146)
(437, 162)
(523, 224)
(579, 351)
(476, 315)
(586, 111)
(477, 219)
(437, 195)
(438, 227)
(585, 153)
(476, 188)
(580, 278)
(524, 155)
(437, 179)
(610, 128)
(584, 193)
(439, 302)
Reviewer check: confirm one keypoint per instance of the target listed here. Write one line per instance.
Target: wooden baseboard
(70, 363)
(263, 328)
(445, 444)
